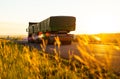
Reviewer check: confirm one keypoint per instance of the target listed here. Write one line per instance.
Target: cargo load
(58, 23)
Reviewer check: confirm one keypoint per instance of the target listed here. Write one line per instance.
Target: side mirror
(26, 30)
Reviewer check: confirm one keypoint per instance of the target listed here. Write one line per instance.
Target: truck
(54, 26)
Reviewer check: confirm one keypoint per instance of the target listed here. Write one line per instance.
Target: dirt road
(63, 50)
(100, 50)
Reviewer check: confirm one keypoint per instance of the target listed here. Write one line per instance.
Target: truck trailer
(52, 27)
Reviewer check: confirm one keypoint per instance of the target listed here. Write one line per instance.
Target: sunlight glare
(100, 24)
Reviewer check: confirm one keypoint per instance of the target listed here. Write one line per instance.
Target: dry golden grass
(19, 62)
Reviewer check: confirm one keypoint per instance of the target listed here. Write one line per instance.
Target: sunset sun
(98, 24)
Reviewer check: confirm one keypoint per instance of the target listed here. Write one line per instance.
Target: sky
(92, 16)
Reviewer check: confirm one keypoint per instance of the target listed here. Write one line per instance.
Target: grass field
(22, 62)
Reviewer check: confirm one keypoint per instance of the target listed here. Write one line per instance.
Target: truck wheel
(69, 42)
(29, 41)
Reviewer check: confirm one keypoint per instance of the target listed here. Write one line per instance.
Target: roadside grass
(20, 62)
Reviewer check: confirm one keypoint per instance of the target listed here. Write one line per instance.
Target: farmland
(22, 61)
